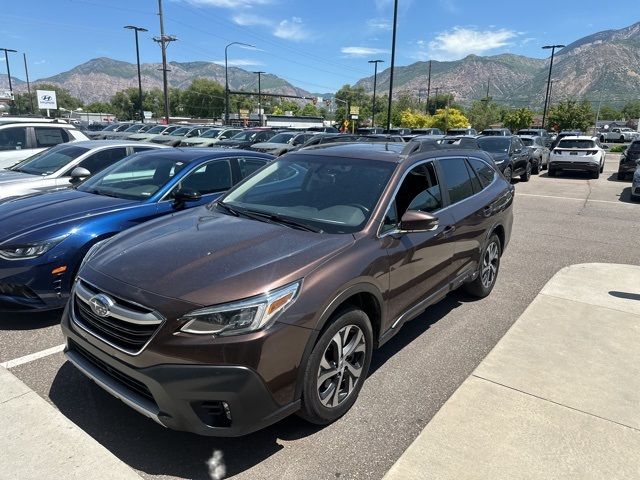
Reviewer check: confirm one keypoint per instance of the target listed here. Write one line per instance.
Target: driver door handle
(448, 231)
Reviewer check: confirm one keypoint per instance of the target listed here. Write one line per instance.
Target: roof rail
(428, 144)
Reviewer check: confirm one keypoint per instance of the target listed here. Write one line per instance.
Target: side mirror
(78, 174)
(185, 195)
(417, 221)
(605, 147)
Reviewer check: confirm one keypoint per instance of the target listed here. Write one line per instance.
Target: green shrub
(618, 148)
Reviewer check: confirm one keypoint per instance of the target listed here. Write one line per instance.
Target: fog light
(227, 410)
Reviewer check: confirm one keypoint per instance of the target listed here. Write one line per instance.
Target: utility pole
(226, 78)
(164, 40)
(487, 95)
(138, 29)
(26, 72)
(595, 127)
(426, 110)
(259, 95)
(375, 81)
(6, 59)
(546, 98)
(393, 61)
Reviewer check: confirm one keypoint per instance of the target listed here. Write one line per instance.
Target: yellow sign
(354, 110)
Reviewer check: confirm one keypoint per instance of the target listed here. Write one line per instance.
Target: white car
(577, 153)
(20, 140)
(56, 167)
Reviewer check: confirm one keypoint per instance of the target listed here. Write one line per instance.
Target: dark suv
(226, 318)
(629, 161)
(512, 157)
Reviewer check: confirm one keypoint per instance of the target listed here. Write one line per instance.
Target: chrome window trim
(396, 231)
(72, 311)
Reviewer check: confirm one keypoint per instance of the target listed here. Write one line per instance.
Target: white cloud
(292, 29)
(39, 62)
(379, 23)
(248, 19)
(362, 51)
(463, 41)
(229, 3)
(239, 62)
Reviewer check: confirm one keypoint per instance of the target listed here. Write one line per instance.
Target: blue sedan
(43, 238)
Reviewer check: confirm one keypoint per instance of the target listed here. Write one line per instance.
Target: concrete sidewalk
(38, 442)
(558, 396)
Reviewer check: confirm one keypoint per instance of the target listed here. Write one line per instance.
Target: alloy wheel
(341, 366)
(490, 264)
(508, 174)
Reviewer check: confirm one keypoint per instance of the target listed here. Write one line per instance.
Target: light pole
(375, 81)
(136, 30)
(226, 78)
(546, 97)
(164, 40)
(259, 95)
(6, 58)
(393, 61)
(26, 72)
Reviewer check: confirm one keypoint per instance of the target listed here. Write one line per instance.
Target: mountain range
(605, 65)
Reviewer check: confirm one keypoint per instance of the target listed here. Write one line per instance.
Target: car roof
(105, 143)
(578, 137)
(192, 154)
(360, 150)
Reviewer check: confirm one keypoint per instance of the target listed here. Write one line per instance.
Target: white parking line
(571, 198)
(32, 357)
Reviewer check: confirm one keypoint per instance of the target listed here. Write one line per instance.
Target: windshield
(528, 141)
(494, 144)
(281, 138)
(181, 131)
(49, 161)
(577, 144)
(134, 128)
(137, 178)
(111, 128)
(244, 136)
(157, 129)
(335, 195)
(213, 133)
(122, 127)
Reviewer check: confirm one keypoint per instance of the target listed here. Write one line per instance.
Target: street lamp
(226, 78)
(546, 97)
(375, 81)
(136, 30)
(393, 61)
(6, 58)
(259, 95)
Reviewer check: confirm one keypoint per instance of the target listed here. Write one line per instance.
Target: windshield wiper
(228, 209)
(275, 218)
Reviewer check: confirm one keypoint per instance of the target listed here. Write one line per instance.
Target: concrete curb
(557, 397)
(38, 442)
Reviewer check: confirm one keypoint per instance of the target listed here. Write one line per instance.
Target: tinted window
(494, 144)
(141, 149)
(13, 138)
(485, 173)
(420, 190)
(456, 177)
(100, 160)
(211, 177)
(50, 161)
(528, 141)
(577, 144)
(48, 137)
(250, 165)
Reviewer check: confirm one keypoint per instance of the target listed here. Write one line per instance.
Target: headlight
(30, 250)
(242, 316)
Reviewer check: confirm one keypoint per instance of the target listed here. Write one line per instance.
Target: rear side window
(48, 137)
(457, 179)
(14, 138)
(209, 178)
(102, 159)
(141, 149)
(250, 165)
(485, 173)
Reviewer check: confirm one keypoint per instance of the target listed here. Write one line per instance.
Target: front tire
(487, 270)
(526, 176)
(337, 367)
(508, 174)
(595, 175)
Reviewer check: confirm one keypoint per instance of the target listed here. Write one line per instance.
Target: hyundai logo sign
(47, 99)
(101, 305)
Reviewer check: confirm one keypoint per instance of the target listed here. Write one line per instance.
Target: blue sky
(316, 45)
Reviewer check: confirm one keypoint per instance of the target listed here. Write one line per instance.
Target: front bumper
(32, 287)
(576, 163)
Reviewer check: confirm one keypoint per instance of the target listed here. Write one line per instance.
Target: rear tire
(537, 167)
(526, 176)
(621, 176)
(330, 385)
(487, 270)
(595, 174)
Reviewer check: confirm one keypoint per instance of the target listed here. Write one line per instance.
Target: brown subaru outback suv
(223, 319)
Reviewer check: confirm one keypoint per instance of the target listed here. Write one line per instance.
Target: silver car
(210, 137)
(56, 167)
(539, 152)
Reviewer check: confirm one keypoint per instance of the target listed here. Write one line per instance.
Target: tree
(446, 118)
(310, 110)
(64, 99)
(414, 119)
(203, 99)
(356, 97)
(440, 101)
(517, 119)
(631, 109)
(125, 104)
(570, 114)
(610, 113)
(98, 107)
(484, 113)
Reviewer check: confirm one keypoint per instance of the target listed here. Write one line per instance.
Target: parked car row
(219, 290)
(629, 167)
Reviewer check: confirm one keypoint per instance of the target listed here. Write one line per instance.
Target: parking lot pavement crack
(555, 403)
(587, 198)
(13, 398)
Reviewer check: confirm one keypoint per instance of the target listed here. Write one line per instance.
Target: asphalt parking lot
(557, 222)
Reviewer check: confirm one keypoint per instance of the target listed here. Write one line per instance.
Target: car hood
(197, 141)
(228, 143)
(205, 258)
(28, 215)
(268, 145)
(9, 177)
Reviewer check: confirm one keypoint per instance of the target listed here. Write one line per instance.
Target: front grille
(122, 378)
(127, 326)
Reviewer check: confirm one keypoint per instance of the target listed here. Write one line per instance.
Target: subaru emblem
(101, 305)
